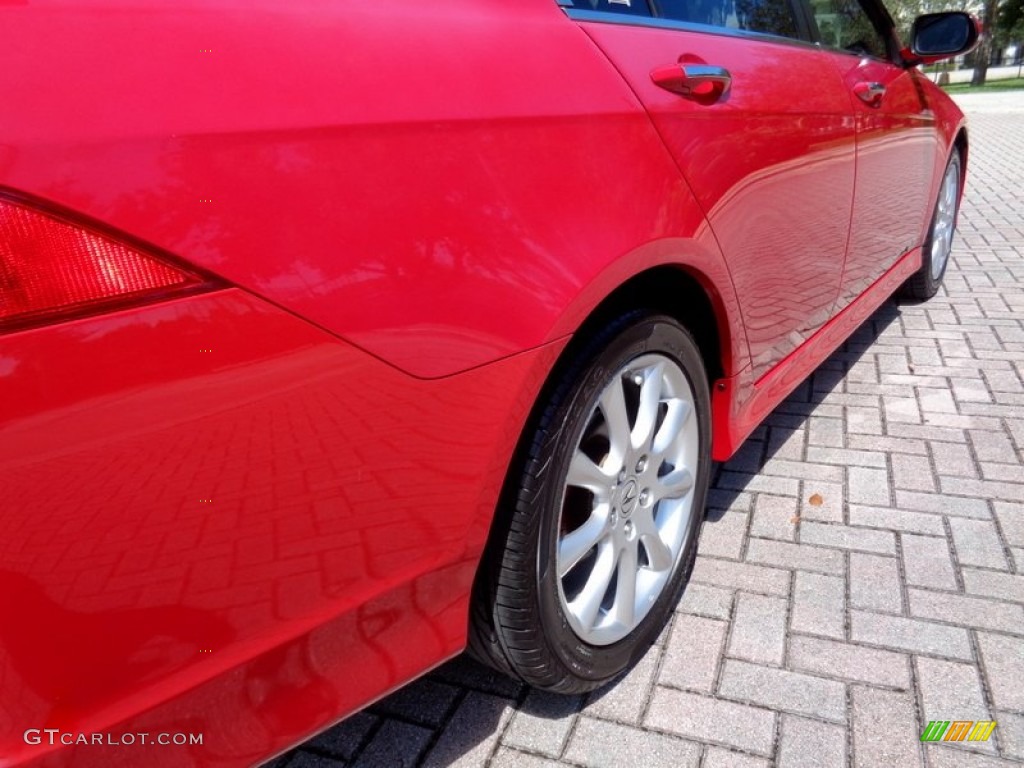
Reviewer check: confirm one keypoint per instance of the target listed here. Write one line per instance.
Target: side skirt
(739, 404)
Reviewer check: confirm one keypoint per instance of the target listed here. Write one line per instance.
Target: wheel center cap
(628, 497)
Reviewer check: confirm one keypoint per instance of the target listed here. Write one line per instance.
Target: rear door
(897, 139)
(771, 160)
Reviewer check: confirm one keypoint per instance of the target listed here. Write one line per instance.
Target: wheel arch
(677, 292)
(683, 293)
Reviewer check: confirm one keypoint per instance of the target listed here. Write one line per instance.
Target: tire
(924, 283)
(609, 491)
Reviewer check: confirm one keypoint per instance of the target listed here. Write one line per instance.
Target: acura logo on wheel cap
(628, 498)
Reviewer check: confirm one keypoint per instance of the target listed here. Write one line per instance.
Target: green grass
(992, 85)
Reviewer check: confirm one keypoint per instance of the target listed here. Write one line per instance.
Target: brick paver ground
(861, 569)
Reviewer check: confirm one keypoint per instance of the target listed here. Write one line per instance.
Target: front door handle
(870, 93)
(700, 82)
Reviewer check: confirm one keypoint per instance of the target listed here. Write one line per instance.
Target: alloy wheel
(945, 221)
(627, 499)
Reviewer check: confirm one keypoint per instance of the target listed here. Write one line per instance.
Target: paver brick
(714, 720)
(345, 739)
(847, 537)
(825, 432)
(719, 757)
(868, 486)
(846, 661)
(845, 457)
(991, 489)
(808, 743)
(471, 733)
(396, 743)
(885, 729)
(1017, 553)
(941, 504)
(759, 629)
(511, 758)
(723, 535)
(625, 698)
(783, 690)
(774, 517)
(912, 472)
(803, 470)
(692, 653)
(948, 756)
(1011, 521)
(1004, 586)
(306, 760)
(424, 701)
(1003, 659)
(926, 561)
(953, 459)
(705, 600)
(875, 583)
(755, 578)
(952, 691)
(819, 605)
(598, 744)
(968, 611)
(912, 635)
(822, 501)
(1011, 734)
(977, 543)
(803, 557)
(542, 723)
(896, 520)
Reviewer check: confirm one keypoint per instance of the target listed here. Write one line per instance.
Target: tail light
(51, 269)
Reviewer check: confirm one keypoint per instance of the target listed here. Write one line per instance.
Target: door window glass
(630, 7)
(843, 24)
(773, 17)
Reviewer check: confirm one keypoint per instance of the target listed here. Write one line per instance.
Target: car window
(630, 7)
(773, 17)
(843, 24)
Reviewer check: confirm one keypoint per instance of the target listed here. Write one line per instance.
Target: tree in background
(1010, 21)
(983, 54)
(1003, 22)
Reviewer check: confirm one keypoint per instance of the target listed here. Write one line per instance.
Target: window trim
(660, 22)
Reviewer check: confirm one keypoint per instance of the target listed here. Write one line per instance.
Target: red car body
(252, 509)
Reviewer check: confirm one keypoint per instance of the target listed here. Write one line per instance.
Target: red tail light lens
(50, 269)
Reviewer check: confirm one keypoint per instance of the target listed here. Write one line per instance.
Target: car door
(771, 160)
(897, 139)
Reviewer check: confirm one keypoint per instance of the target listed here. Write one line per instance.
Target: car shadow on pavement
(781, 435)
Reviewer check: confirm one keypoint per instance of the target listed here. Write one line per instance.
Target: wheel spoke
(659, 556)
(675, 417)
(584, 473)
(625, 586)
(950, 195)
(613, 406)
(675, 484)
(647, 410)
(575, 545)
(588, 602)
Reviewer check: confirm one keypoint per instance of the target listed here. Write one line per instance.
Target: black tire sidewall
(931, 284)
(654, 334)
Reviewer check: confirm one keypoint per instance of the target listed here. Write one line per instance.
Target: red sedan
(336, 337)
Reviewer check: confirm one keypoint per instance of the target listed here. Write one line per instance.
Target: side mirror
(938, 36)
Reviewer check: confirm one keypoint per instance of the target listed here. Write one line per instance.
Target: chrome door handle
(870, 93)
(700, 82)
